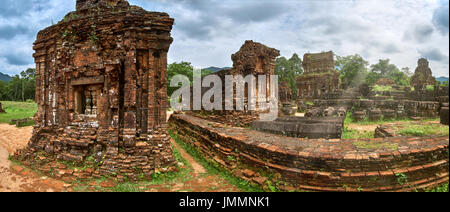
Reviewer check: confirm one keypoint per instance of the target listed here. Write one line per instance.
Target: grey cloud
(390, 49)
(433, 54)
(256, 12)
(16, 8)
(18, 59)
(441, 17)
(423, 32)
(8, 32)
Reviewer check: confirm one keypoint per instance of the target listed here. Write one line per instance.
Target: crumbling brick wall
(319, 77)
(252, 59)
(101, 88)
(319, 164)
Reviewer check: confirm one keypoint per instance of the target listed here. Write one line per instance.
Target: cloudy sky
(207, 32)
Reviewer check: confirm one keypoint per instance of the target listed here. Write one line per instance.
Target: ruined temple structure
(1, 109)
(320, 76)
(101, 89)
(422, 76)
(285, 92)
(252, 59)
(385, 82)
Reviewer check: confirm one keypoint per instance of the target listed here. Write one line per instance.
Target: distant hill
(4, 77)
(215, 69)
(442, 79)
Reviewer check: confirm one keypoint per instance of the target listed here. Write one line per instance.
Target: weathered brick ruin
(101, 90)
(285, 92)
(252, 59)
(1, 109)
(320, 76)
(399, 102)
(422, 76)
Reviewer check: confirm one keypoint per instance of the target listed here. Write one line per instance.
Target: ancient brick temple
(101, 88)
(422, 76)
(252, 59)
(285, 92)
(319, 77)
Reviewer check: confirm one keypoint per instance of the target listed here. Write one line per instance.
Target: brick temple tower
(101, 88)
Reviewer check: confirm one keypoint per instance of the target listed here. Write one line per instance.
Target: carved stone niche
(86, 91)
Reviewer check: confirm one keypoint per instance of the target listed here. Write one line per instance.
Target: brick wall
(321, 165)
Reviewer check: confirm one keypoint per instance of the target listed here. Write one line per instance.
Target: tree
(383, 69)
(289, 70)
(21, 87)
(182, 68)
(353, 69)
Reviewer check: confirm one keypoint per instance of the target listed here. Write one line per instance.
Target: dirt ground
(15, 178)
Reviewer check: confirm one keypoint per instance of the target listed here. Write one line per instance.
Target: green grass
(424, 130)
(442, 188)
(371, 145)
(381, 88)
(17, 110)
(355, 134)
(214, 169)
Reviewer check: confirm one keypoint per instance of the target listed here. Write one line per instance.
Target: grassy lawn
(17, 110)
(356, 134)
(349, 120)
(424, 130)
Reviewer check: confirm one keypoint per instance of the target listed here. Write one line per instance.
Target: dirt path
(15, 178)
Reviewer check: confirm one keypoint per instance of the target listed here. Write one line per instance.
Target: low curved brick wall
(387, 164)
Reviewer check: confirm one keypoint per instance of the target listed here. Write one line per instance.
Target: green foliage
(424, 130)
(401, 178)
(17, 110)
(289, 70)
(430, 87)
(383, 69)
(374, 145)
(353, 69)
(381, 88)
(183, 68)
(442, 188)
(21, 87)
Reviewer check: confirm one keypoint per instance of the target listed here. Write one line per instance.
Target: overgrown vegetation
(424, 130)
(21, 87)
(381, 88)
(356, 134)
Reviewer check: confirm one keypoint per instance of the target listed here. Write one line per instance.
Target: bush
(381, 88)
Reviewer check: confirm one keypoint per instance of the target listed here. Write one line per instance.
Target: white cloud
(207, 32)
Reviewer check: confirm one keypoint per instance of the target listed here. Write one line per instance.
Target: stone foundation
(319, 164)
